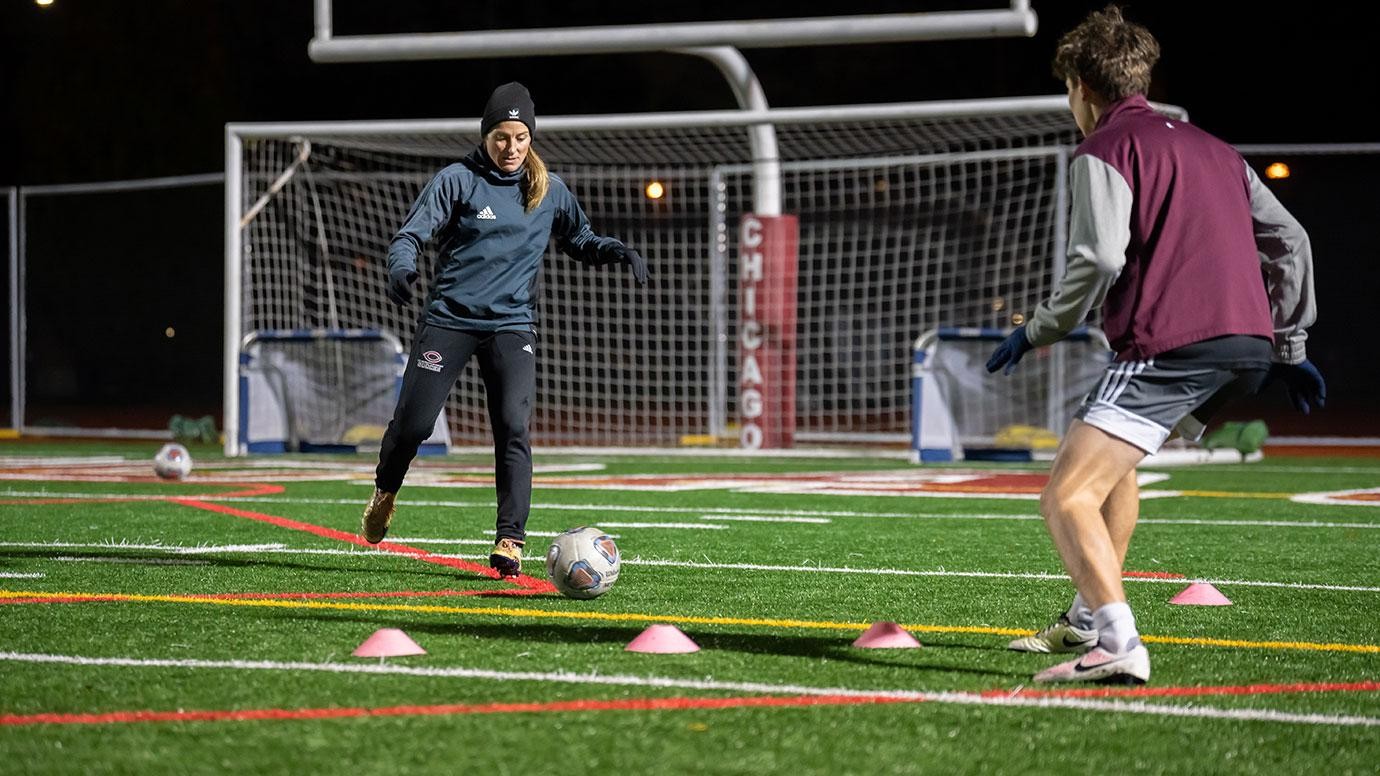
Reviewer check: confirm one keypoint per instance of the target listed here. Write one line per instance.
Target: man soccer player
(1170, 233)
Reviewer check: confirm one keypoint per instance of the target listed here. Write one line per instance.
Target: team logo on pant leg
(430, 360)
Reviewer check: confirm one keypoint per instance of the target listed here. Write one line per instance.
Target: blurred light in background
(655, 190)
(1277, 171)
(43, 3)
(169, 332)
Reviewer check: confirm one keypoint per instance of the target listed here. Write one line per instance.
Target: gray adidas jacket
(488, 248)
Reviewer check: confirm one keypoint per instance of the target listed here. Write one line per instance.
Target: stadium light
(1277, 171)
(169, 332)
(655, 190)
(43, 3)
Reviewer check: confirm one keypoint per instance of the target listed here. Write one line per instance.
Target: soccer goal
(910, 217)
(320, 390)
(960, 411)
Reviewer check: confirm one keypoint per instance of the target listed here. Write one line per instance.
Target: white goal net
(911, 217)
(960, 410)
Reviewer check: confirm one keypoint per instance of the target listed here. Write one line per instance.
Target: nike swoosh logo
(1074, 643)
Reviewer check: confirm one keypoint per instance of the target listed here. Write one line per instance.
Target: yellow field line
(1234, 494)
(1204, 642)
(507, 611)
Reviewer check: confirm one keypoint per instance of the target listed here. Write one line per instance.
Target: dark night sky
(111, 89)
(101, 89)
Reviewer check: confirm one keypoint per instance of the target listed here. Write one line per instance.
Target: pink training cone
(388, 642)
(1200, 594)
(886, 635)
(662, 640)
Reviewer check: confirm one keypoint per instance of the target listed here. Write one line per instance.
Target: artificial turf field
(206, 626)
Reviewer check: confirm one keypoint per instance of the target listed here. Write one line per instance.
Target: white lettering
(750, 301)
(752, 373)
(752, 232)
(752, 335)
(752, 403)
(751, 437)
(752, 267)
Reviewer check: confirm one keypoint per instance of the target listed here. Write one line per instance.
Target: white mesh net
(906, 225)
(1029, 408)
(318, 390)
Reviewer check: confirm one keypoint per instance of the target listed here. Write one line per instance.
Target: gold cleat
(377, 516)
(506, 557)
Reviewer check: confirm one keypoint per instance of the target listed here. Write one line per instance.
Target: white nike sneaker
(1060, 636)
(1099, 665)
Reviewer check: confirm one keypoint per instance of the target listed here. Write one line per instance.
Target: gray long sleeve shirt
(1170, 232)
(489, 248)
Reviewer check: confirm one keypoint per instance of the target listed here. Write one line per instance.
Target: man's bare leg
(1119, 512)
(1089, 511)
(1116, 513)
(1093, 471)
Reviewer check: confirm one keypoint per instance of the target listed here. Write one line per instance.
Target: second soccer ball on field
(172, 462)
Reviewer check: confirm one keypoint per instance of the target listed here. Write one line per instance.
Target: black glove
(1303, 383)
(1010, 351)
(633, 259)
(400, 281)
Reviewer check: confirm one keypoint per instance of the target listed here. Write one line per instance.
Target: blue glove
(1010, 351)
(633, 259)
(400, 281)
(1303, 383)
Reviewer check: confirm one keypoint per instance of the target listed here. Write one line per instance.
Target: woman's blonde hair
(536, 181)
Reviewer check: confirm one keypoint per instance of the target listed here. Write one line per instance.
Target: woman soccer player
(493, 214)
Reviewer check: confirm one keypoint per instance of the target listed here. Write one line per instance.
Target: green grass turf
(865, 533)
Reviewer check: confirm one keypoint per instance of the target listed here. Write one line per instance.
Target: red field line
(627, 704)
(79, 599)
(530, 583)
(1330, 451)
(1153, 575)
(642, 704)
(249, 490)
(1193, 692)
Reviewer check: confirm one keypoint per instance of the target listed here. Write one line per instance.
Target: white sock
(1079, 614)
(1116, 628)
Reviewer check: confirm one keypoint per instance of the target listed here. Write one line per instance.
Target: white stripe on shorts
(1115, 382)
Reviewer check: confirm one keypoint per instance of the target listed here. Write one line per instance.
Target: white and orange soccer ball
(172, 462)
(583, 562)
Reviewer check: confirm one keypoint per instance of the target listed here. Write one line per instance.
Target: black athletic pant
(507, 362)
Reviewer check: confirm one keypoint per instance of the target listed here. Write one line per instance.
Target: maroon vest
(1192, 271)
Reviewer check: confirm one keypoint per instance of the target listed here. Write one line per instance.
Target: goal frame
(932, 434)
(238, 213)
(437, 444)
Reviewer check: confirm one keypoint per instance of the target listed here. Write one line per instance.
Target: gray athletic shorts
(1143, 402)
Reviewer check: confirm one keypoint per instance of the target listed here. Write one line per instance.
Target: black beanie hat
(509, 102)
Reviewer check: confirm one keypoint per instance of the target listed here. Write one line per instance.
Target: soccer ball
(583, 562)
(173, 462)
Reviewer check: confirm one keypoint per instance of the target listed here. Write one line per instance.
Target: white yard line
(135, 561)
(766, 519)
(22, 575)
(625, 680)
(703, 565)
(714, 512)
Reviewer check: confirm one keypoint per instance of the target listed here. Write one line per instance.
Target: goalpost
(903, 218)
